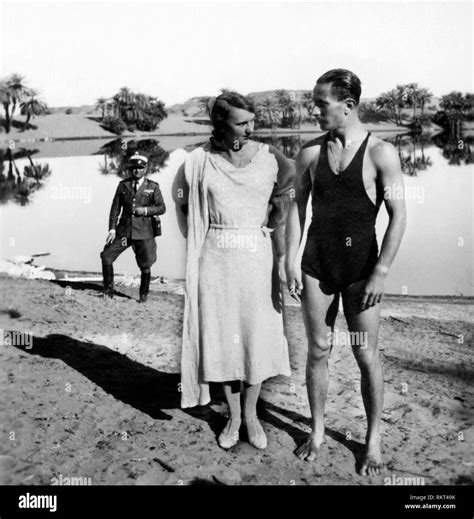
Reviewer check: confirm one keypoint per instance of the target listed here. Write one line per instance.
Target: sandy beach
(95, 395)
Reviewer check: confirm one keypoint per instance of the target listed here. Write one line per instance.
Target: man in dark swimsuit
(348, 172)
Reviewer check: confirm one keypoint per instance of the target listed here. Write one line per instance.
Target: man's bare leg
(319, 315)
(366, 352)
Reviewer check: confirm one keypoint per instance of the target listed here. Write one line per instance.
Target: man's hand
(293, 280)
(373, 291)
(140, 211)
(110, 237)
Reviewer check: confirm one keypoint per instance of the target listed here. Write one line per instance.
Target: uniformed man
(138, 201)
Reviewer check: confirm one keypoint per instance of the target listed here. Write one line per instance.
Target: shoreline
(280, 132)
(61, 127)
(71, 277)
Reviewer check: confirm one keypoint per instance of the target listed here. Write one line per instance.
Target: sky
(76, 52)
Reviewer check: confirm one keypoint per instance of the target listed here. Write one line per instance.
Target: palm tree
(286, 105)
(104, 169)
(424, 97)
(101, 104)
(36, 171)
(141, 104)
(32, 106)
(308, 103)
(5, 99)
(300, 113)
(410, 95)
(124, 100)
(125, 95)
(453, 102)
(18, 91)
(13, 90)
(455, 108)
(270, 109)
(391, 103)
(205, 104)
(425, 162)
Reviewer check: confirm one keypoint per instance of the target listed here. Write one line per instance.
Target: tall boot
(108, 274)
(144, 286)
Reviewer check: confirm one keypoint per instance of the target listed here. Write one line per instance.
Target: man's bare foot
(309, 449)
(372, 462)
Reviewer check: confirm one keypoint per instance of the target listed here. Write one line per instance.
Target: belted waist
(266, 231)
(223, 226)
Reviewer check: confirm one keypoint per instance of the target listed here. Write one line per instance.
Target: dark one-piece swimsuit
(341, 246)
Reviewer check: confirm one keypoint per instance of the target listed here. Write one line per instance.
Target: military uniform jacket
(126, 201)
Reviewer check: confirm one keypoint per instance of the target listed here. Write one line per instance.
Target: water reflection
(73, 203)
(457, 149)
(19, 187)
(411, 151)
(117, 152)
(289, 145)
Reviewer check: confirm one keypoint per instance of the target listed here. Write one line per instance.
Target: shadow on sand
(154, 392)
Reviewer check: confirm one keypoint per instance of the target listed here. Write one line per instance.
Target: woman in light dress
(236, 191)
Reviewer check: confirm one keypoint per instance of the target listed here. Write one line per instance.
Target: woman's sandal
(230, 435)
(256, 434)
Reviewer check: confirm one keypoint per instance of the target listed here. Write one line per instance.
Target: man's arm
(297, 218)
(279, 202)
(115, 210)
(113, 216)
(390, 177)
(158, 206)
(283, 191)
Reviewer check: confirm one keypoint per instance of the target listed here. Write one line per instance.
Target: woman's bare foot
(309, 449)
(372, 462)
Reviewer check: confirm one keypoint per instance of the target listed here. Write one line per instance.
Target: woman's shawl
(193, 390)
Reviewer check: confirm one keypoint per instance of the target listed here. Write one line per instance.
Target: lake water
(67, 215)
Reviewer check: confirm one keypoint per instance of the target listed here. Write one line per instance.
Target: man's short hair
(344, 84)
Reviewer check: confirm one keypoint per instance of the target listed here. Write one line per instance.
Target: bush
(69, 111)
(114, 124)
(369, 113)
(147, 124)
(419, 122)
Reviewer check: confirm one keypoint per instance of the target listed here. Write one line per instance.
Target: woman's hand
(294, 283)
